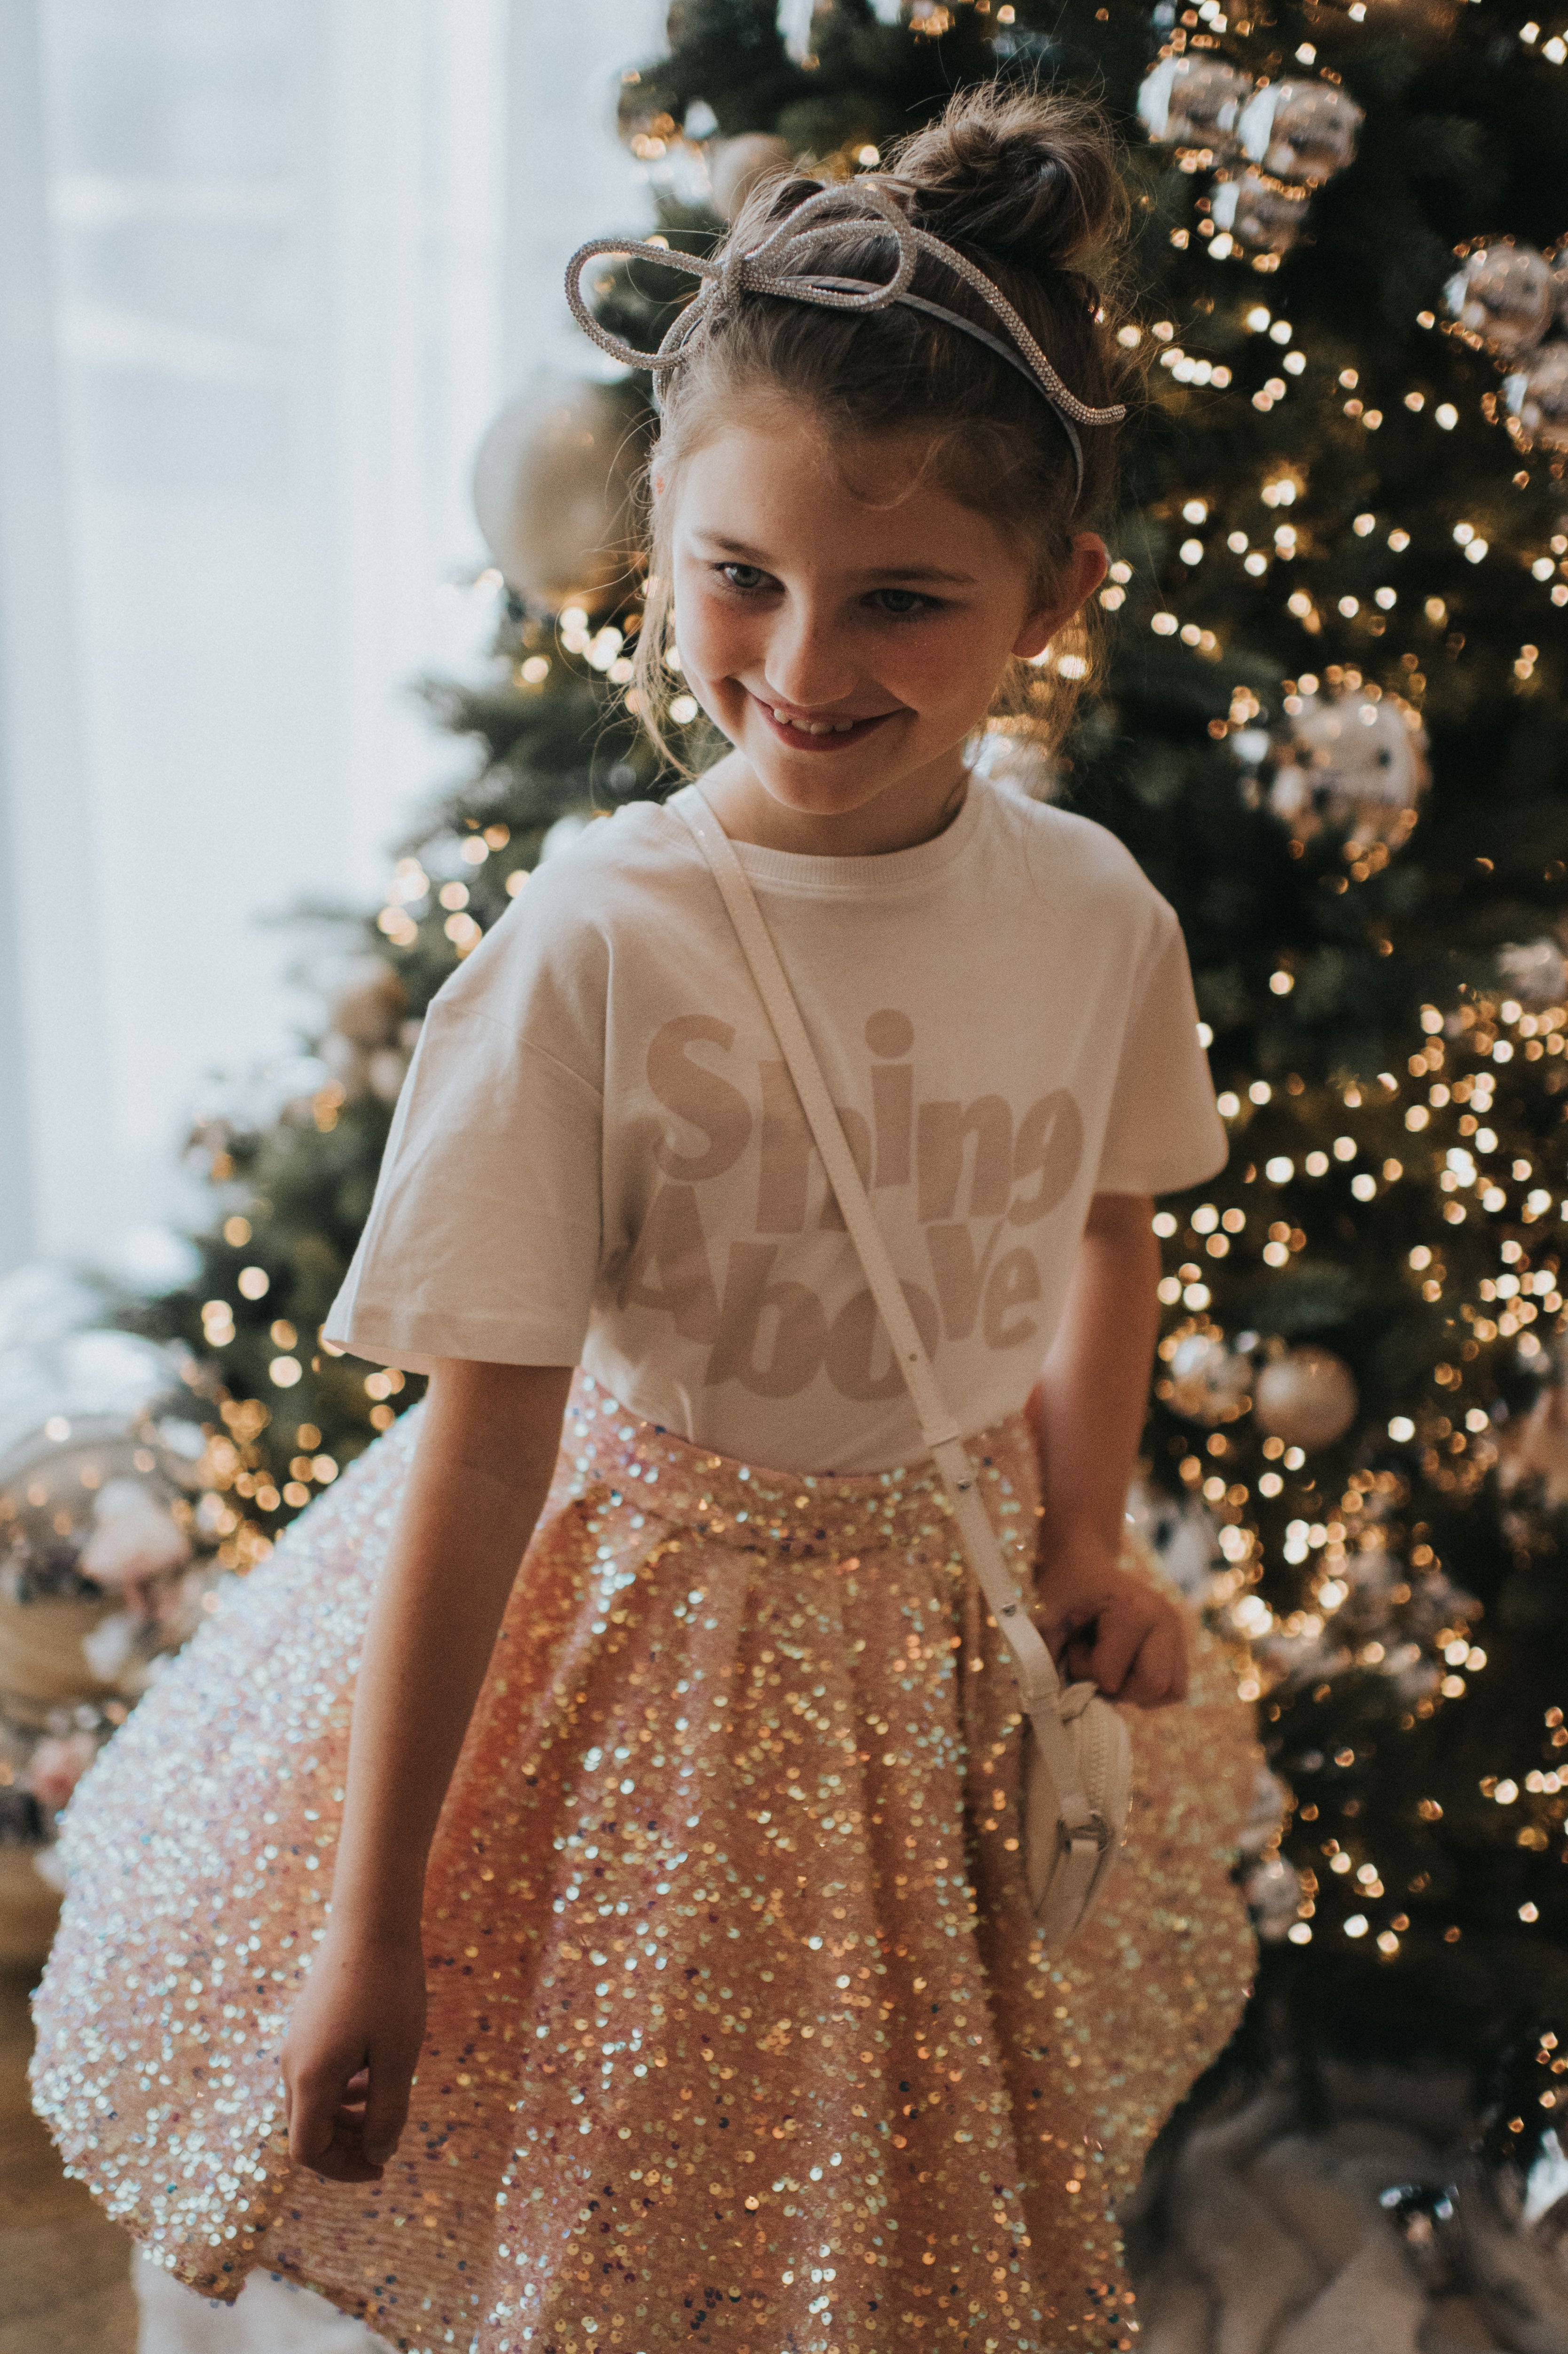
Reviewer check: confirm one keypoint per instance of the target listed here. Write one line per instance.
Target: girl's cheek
(939, 667)
(713, 640)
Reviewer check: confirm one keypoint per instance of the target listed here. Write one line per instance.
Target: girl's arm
(1086, 1412)
(475, 1487)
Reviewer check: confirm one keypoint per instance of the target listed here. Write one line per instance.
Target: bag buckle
(1095, 1827)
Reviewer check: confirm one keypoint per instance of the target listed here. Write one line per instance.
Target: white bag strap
(1038, 1679)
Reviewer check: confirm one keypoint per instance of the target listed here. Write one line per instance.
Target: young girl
(678, 1982)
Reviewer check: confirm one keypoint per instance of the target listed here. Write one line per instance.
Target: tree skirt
(1375, 2232)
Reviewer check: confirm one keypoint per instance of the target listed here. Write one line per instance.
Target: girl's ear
(1070, 590)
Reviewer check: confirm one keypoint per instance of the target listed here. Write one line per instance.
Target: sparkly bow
(768, 268)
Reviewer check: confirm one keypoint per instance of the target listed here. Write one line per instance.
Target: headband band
(765, 271)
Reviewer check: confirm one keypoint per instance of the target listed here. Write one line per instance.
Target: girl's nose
(805, 664)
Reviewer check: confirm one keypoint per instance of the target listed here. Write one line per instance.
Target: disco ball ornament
(1501, 298)
(553, 491)
(1308, 1397)
(108, 1541)
(103, 1455)
(1263, 215)
(735, 166)
(1194, 103)
(1353, 759)
(1535, 396)
(1302, 132)
(1208, 1383)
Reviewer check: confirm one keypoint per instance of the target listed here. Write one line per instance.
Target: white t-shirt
(598, 1156)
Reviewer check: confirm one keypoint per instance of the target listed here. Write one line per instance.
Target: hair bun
(1026, 177)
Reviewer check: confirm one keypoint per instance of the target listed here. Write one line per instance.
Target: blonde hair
(1024, 184)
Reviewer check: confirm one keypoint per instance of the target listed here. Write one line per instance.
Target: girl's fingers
(310, 2128)
(1122, 1629)
(1158, 1675)
(392, 2065)
(1135, 1650)
(318, 2098)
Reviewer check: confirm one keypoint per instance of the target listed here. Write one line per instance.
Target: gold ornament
(1308, 1397)
(553, 488)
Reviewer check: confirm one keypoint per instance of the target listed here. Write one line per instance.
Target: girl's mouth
(820, 735)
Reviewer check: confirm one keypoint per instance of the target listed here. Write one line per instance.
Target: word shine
(968, 1164)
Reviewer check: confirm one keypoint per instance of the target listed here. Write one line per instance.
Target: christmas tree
(1325, 727)
(1326, 730)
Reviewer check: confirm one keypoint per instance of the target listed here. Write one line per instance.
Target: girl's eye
(901, 602)
(744, 577)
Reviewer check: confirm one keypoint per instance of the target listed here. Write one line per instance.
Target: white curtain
(267, 266)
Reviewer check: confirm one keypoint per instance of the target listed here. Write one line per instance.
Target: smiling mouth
(819, 734)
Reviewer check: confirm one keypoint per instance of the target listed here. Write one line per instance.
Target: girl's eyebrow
(738, 547)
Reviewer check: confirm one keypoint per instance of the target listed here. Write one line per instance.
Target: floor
(65, 2271)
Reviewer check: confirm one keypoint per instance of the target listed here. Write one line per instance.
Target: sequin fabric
(738, 2031)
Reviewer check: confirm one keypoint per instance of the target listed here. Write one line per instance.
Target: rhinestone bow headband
(768, 268)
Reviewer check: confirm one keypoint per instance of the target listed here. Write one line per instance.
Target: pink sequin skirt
(738, 2032)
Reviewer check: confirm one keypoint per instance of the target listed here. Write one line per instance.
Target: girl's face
(846, 623)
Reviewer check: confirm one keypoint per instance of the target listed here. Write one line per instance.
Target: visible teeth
(813, 727)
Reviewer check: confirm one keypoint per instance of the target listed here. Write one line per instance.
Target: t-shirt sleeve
(1164, 1130)
(485, 1236)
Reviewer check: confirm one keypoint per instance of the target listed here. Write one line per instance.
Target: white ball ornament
(1535, 1447)
(1353, 759)
(1306, 1397)
(553, 491)
(1501, 298)
(1208, 1383)
(1536, 970)
(738, 165)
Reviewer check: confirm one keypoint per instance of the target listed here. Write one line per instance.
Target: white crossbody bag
(1078, 1757)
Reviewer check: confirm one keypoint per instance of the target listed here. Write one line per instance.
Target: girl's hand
(1109, 1628)
(350, 2053)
